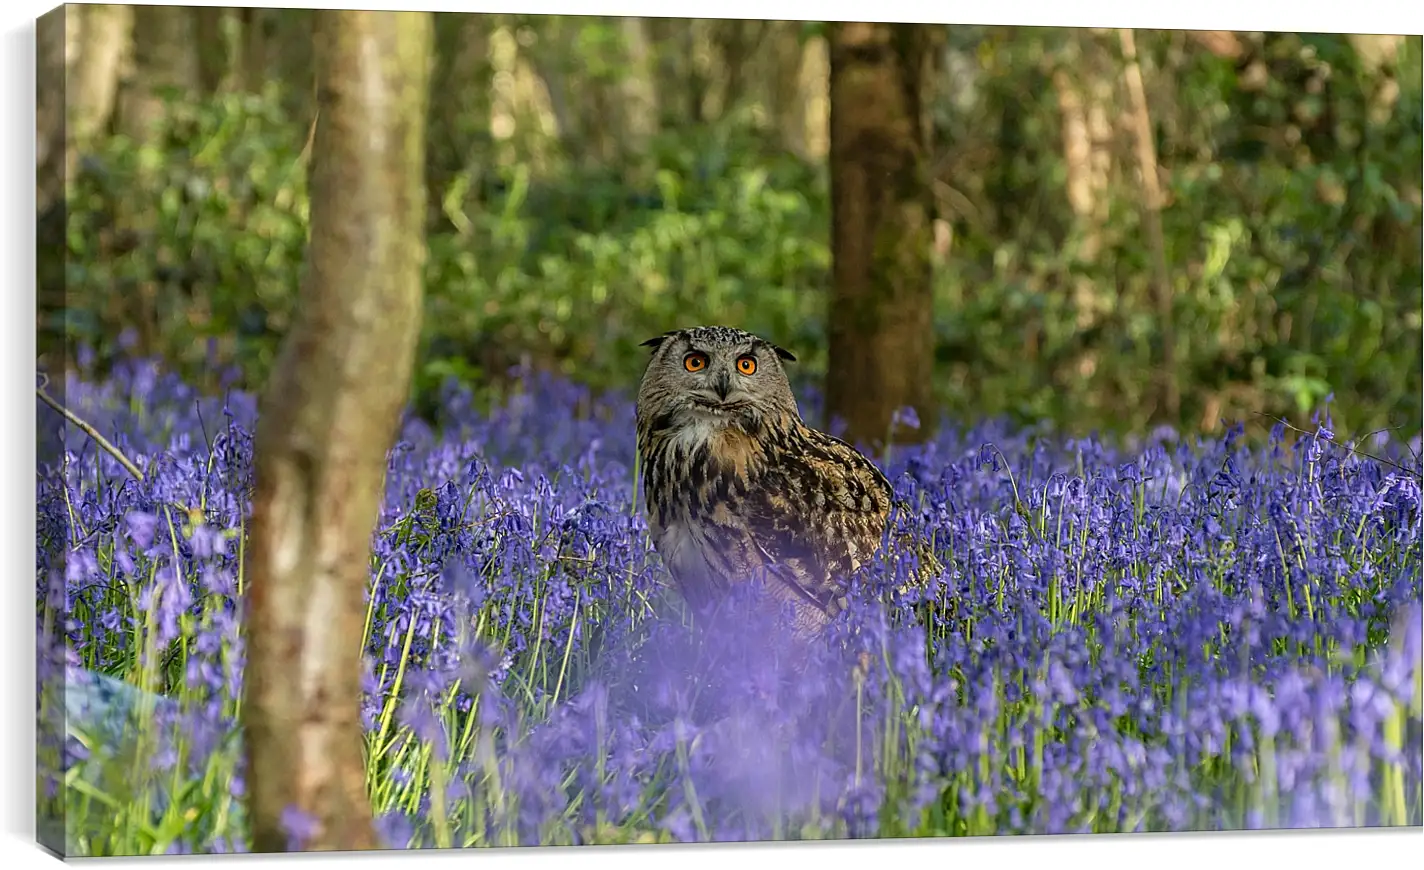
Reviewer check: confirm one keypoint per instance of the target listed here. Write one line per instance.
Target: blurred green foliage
(1293, 234)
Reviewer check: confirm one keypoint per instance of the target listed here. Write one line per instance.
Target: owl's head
(715, 375)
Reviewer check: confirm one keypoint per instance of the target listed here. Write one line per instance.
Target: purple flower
(300, 827)
(906, 416)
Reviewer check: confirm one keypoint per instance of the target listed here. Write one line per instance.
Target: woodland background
(1088, 229)
(594, 181)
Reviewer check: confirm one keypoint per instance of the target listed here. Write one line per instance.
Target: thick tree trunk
(880, 318)
(329, 414)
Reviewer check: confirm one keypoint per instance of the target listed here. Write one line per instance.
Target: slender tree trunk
(291, 49)
(696, 50)
(672, 38)
(1084, 89)
(460, 117)
(1152, 218)
(255, 26)
(213, 63)
(329, 414)
(816, 97)
(1379, 54)
(1222, 43)
(163, 67)
(736, 41)
(1084, 84)
(787, 98)
(550, 60)
(101, 46)
(163, 59)
(881, 311)
(639, 90)
(51, 162)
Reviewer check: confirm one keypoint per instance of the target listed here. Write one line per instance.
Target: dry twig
(87, 430)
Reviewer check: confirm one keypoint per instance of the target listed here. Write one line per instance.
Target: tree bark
(1378, 55)
(1222, 43)
(881, 310)
(163, 59)
(92, 90)
(549, 58)
(213, 63)
(292, 53)
(1084, 90)
(736, 41)
(256, 26)
(816, 97)
(639, 90)
(1141, 121)
(51, 164)
(786, 103)
(461, 117)
(329, 414)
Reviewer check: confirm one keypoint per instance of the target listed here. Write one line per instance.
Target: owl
(736, 486)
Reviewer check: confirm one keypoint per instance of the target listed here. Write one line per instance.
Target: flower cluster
(1174, 635)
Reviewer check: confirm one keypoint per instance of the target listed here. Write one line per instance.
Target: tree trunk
(550, 58)
(881, 311)
(1379, 55)
(639, 91)
(673, 42)
(461, 116)
(163, 59)
(213, 64)
(328, 418)
(816, 97)
(291, 48)
(1146, 149)
(1084, 84)
(93, 86)
(1222, 43)
(163, 66)
(256, 26)
(1084, 89)
(51, 166)
(787, 103)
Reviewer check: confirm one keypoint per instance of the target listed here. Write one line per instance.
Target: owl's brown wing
(817, 515)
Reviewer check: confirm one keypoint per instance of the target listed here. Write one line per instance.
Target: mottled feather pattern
(738, 487)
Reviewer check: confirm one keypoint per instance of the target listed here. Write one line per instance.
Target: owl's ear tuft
(656, 342)
(784, 353)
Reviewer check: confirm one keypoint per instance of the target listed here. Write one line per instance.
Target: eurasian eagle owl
(736, 486)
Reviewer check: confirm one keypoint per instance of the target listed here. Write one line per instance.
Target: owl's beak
(723, 385)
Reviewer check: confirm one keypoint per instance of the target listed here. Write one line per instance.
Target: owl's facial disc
(718, 391)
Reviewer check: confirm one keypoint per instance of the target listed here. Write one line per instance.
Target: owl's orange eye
(695, 362)
(746, 365)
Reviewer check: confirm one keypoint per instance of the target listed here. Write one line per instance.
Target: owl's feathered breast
(725, 503)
